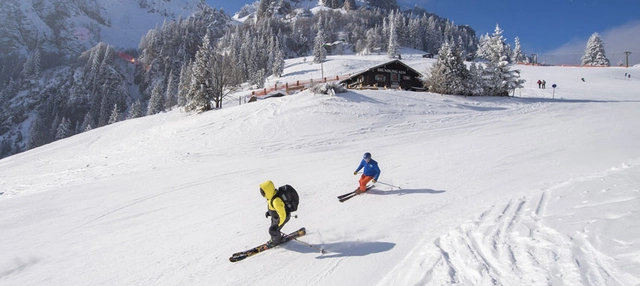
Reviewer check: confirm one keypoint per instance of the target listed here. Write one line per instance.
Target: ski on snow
(351, 194)
(260, 248)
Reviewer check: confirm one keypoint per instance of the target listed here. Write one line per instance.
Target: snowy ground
(526, 190)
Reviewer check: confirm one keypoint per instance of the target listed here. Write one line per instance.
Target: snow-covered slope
(524, 190)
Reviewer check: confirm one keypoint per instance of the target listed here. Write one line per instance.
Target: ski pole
(321, 250)
(390, 185)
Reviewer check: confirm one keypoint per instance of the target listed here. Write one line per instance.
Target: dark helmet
(366, 156)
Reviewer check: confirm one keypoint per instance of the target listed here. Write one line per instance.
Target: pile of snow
(536, 189)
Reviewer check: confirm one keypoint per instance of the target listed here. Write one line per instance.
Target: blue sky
(556, 29)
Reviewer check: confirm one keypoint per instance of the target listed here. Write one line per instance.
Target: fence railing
(295, 86)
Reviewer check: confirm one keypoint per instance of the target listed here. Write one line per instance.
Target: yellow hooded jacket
(277, 205)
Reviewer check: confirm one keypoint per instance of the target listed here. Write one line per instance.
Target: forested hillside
(50, 91)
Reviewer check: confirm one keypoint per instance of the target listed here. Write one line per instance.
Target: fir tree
(64, 129)
(449, 75)
(278, 61)
(199, 95)
(475, 84)
(31, 68)
(115, 115)
(184, 84)
(5, 147)
(498, 79)
(518, 55)
(135, 110)
(494, 48)
(171, 92)
(319, 52)
(156, 102)
(392, 47)
(87, 122)
(38, 134)
(373, 40)
(594, 54)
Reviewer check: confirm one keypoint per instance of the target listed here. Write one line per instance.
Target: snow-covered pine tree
(87, 122)
(54, 124)
(64, 129)
(518, 55)
(278, 60)
(135, 110)
(31, 68)
(156, 102)
(494, 48)
(400, 29)
(498, 78)
(475, 84)
(115, 115)
(5, 147)
(171, 92)
(449, 75)
(416, 34)
(184, 84)
(594, 54)
(199, 95)
(38, 134)
(259, 78)
(393, 46)
(373, 40)
(482, 51)
(319, 52)
(104, 112)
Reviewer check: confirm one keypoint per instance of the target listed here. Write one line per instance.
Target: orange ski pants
(363, 182)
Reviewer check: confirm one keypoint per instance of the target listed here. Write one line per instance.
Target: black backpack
(289, 196)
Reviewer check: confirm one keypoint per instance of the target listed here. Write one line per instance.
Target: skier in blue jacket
(371, 172)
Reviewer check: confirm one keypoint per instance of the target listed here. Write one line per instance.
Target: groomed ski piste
(537, 189)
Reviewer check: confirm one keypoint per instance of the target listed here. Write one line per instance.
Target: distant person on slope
(276, 210)
(371, 172)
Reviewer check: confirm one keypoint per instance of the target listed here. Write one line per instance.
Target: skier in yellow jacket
(277, 212)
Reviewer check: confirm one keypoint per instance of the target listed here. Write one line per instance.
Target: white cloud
(616, 41)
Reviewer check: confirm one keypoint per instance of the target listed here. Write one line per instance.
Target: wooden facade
(394, 74)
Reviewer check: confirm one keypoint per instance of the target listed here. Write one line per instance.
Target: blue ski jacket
(371, 169)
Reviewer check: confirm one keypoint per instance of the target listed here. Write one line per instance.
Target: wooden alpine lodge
(392, 75)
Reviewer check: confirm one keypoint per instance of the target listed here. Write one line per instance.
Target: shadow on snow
(354, 248)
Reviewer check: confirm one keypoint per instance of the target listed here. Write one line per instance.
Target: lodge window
(406, 77)
(380, 77)
(394, 77)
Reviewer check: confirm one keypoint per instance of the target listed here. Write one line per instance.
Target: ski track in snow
(512, 244)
